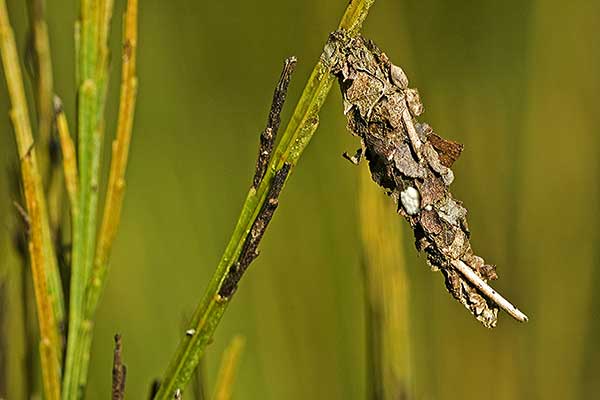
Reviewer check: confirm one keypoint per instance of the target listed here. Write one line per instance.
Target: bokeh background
(518, 82)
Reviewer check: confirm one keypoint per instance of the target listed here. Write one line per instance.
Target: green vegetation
(514, 81)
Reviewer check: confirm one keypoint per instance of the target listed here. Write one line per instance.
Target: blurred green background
(518, 82)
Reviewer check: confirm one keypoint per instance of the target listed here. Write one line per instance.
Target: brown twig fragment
(412, 164)
(119, 371)
(268, 136)
(267, 139)
(249, 250)
(23, 214)
(487, 290)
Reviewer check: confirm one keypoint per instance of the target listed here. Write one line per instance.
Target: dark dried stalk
(119, 371)
(250, 248)
(269, 135)
(412, 164)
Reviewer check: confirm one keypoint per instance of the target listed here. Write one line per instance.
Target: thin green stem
(120, 154)
(116, 183)
(296, 137)
(92, 70)
(82, 238)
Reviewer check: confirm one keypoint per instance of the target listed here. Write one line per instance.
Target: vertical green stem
(120, 153)
(296, 137)
(92, 66)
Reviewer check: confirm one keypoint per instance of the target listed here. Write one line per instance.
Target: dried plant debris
(265, 152)
(119, 371)
(268, 136)
(412, 163)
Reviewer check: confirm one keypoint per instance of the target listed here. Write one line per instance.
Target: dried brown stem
(23, 214)
(267, 139)
(249, 250)
(268, 136)
(119, 371)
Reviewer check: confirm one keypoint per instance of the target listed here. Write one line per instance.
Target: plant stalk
(43, 81)
(92, 70)
(120, 154)
(296, 137)
(39, 240)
